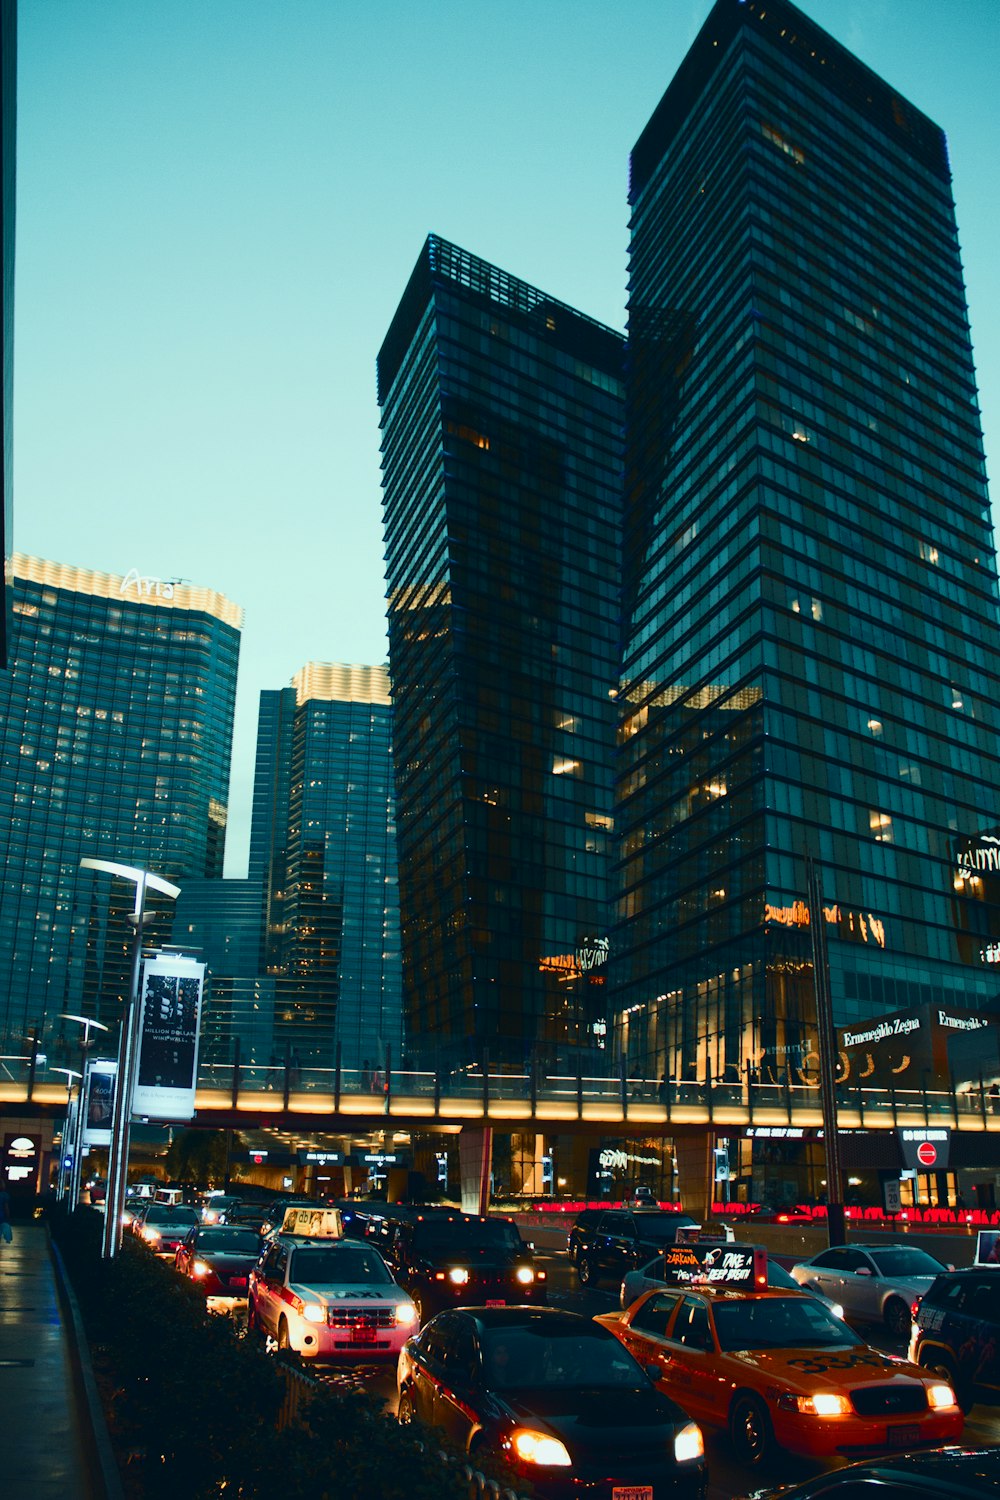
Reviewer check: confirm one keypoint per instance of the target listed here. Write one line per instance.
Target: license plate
(902, 1437)
(500, 1302)
(632, 1492)
(237, 1281)
(362, 1335)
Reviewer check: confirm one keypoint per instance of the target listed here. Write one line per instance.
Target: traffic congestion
(650, 1357)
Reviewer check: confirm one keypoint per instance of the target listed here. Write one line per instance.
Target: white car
(634, 1283)
(874, 1283)
(329, 1300)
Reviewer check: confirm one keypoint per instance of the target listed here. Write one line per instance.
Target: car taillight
(914, 1309)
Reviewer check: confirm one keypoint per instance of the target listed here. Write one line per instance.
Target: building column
(475, 1155)
(696, 1173)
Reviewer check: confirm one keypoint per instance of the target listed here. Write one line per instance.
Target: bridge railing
(540, 1092)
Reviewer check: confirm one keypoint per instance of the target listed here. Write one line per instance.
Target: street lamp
(61, 1184)
(121, 1123)
(76, 1169)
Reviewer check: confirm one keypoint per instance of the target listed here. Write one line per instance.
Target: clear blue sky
(219, 204)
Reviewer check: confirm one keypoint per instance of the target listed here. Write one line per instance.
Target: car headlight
(313, 1312)
(539, 1448)
(689, 1444)
(525, 1275)
(940, 1395)
(823, 1404)
(151, 1236)
(459, 1275)
(201, 1268)
(406, 1314)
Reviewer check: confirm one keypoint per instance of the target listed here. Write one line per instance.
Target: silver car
(634, 1283)
(874, 1283)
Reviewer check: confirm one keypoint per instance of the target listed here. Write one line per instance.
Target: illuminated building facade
(811, 659)
(115, 732)
(501, 453)
(322, 847)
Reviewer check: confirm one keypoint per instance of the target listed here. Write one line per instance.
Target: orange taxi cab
(775, 1367)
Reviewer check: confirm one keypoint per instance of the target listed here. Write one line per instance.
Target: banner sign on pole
(100, 1097)
(168, 1038)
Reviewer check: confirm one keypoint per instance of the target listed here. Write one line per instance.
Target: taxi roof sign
(317, 1223)
(711, 1263)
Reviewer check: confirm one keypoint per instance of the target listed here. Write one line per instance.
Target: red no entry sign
(926, 1154)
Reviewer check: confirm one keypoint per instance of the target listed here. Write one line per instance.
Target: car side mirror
(530, 1245)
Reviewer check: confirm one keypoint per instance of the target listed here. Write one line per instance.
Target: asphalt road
(727, 1479)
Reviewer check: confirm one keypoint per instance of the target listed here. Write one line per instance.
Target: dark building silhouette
(501, 449)
(811, 656)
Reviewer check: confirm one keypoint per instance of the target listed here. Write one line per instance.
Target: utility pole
(827, 1049)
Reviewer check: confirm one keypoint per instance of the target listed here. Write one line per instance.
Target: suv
(956, 1332)
(621, 1240)
(444, 1260)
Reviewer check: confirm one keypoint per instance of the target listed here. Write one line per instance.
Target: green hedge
(196, 1410)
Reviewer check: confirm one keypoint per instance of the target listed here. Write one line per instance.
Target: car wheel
(407, 1412)
(750, 1429)
(897, 1317)
(585, 1271)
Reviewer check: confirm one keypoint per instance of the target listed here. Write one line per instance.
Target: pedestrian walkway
(42, 1452)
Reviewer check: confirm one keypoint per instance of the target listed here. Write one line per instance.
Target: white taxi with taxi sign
(327, 1298)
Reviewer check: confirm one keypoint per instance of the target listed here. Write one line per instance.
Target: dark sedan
(940, 1474)
(218, 1259)
(548, 1393)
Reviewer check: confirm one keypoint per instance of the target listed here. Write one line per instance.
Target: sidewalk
(42, 1453)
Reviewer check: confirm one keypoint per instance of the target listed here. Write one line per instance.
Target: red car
(218, 1258)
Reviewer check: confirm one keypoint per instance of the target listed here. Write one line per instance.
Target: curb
(104, 1469)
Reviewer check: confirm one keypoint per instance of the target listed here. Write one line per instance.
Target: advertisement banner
(100, 1096)
(168, 1038)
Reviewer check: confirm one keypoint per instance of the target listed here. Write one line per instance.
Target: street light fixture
(76, 1170)
(61, 1183)
(121, 1125)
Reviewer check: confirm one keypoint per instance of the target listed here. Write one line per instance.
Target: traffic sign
(927, 1153)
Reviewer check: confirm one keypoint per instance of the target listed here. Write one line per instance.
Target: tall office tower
(322, 843)
(501, 454)
(115, 730)
(8, 141)
(811, 659)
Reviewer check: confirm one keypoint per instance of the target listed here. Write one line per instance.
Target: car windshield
(522, 1358)
(660, 1230)
(906, 1261)
(347, 1267)
(234, 1241)
(161, 1214)
(780, 1323)
(456, 1237)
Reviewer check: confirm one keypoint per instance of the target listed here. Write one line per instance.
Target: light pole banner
(168, 1038)
(101, 1075)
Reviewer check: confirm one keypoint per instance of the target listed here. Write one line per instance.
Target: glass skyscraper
(502, 413)
(322, 846)
(811, 654)
(115, 732)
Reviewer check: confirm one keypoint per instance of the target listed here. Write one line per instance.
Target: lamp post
(61, 1183)
(76, 1169)
(122, 1120)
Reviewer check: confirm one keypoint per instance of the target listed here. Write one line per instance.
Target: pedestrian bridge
(344, 1099)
